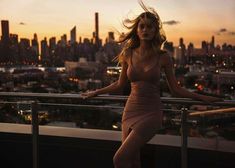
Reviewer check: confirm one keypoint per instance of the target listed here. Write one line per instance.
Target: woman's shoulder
(126, 54)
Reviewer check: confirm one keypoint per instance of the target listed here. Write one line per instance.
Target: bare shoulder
(126, 55)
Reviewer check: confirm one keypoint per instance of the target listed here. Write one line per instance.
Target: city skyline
(194, 21)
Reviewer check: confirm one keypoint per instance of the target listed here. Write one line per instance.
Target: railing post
(184, 138)
(35, 132)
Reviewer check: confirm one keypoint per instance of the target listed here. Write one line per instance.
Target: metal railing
(185, 113)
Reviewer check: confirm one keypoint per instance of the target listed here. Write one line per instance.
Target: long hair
(130, 40)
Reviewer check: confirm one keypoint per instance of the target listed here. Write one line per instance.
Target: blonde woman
(141, 59)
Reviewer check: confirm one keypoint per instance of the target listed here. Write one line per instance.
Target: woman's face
(146, 29)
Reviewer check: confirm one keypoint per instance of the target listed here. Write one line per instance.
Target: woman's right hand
(89, 94)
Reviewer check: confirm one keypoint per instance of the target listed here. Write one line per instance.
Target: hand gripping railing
(182, 101)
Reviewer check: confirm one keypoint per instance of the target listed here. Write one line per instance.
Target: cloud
(223, 30)
(231, 33)
(171, 22)
(22, 23)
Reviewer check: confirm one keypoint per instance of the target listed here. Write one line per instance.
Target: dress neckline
(131, 63)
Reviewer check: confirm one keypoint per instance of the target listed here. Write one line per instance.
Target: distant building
(52, 51)
(45, 52)
(85, 78)
(14, 48)
(212, 43)
(64, 40)
(73, 35)
(97, 38)
(35, 48)
(177, 55)
(183, 59)
(24, 50)
(70, 66)
(5, 31)
(110, 37)
(5, 42)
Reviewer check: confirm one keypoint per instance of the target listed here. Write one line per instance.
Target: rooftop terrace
(24, 145)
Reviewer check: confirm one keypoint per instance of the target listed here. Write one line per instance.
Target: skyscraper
(73, 35)
(5, 31)
(52, 51)
(212, 44)
(5, 43)
(110, 36)
(35, 48)
(45, 52)
(64, 40)
(14, 48)
(97, 41)
(24, 54)
(205, 46)
(183, 59)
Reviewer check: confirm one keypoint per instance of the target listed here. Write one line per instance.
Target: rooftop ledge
(213, 144)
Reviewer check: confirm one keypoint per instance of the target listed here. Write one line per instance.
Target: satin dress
(143, 109)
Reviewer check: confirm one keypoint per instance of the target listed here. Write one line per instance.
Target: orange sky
(196, 20)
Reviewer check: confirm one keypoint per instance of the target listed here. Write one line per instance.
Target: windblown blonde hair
(131, 40)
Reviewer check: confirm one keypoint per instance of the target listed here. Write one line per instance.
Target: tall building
(190, 52)
(110, 36)
(52, 50)
(93, 40)
(5, 31)
(205, 46)
(212, 44)
(35, 48)
(52, 43)
(183, 59)
(14, 39)
(25, 55)
(64, 40)
(45, 52)
(5, 43)
(97, 41)
(73, 35)
(14, 48)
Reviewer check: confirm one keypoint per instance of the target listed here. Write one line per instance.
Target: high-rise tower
(5, 31)
(5, 41)
(73, 35)
(212, 44)
(97, 41)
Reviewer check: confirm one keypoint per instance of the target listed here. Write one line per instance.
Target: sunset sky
(194, 20)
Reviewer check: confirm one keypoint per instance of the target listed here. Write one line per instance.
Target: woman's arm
(177, 90)
(116, 86)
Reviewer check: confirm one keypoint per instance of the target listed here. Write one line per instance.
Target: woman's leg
(135, 162)
(128, 155)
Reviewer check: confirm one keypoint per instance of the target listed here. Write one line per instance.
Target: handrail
(167, 100)
(217, 111)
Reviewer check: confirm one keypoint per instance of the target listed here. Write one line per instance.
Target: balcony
(24, 145)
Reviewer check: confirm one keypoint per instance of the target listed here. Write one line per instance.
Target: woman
(141, 60)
